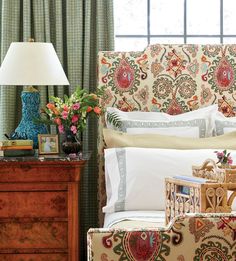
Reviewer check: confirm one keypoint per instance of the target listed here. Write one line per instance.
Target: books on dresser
(16, 153)
(25, 147)
(16, 143)
(16, 148)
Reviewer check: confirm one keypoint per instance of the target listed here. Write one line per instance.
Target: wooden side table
(39, 208)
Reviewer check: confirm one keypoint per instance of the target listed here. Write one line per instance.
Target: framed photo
(48, 144)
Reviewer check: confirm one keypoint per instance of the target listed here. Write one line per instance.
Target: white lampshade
(32, 63)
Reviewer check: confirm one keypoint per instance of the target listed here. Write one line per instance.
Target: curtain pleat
(77, 29)
(9, 101)
(94, 23)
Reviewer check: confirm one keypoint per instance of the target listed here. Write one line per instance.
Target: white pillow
(135, 176)
(224, 124)
(137, 115)
(195, 124)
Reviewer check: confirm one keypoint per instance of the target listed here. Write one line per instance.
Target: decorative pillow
(197, 123)
(224, 124)
(116, 139)
(135, 176)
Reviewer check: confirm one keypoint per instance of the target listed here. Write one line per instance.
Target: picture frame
(48, 143)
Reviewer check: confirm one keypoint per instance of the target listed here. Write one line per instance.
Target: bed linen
(117, 139)
(198, 124)
(134, 219)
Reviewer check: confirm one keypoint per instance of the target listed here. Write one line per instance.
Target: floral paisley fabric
(169, 78)
(192, 237)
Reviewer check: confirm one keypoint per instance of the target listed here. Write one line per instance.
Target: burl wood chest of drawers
(39, 209)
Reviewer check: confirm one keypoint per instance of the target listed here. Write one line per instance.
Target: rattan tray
(210, 170)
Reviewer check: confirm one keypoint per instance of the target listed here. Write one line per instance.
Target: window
(142, 22)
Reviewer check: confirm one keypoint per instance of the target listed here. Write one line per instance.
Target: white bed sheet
(131, 219)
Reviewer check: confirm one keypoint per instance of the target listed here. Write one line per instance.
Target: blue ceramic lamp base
(27, 129)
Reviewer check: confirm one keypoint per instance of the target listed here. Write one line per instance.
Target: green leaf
(100, 91)
(66, 98)
(114, 119)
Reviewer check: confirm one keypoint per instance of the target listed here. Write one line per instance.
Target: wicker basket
(209, 170)
(184, 196)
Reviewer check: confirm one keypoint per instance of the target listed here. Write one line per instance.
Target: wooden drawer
(33, 204)
(33, 257)
(40, 172)
(26, 235)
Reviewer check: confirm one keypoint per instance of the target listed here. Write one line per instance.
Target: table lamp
(28, 64)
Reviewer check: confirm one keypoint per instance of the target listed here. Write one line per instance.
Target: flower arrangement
(72, 112)
(224, 158)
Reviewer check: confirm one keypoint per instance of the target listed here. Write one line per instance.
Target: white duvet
(135, 176)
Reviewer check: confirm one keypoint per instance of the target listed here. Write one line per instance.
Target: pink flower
(73, 129)
(61, 128)
(219, 154)
(230, 160)
(224, 157)
(76, 106)
(75, 118)
(64, 115)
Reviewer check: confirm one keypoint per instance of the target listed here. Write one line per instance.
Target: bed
(168, 107)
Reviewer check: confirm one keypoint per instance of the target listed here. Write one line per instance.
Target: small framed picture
(48, 144)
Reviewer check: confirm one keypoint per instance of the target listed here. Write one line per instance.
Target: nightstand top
(81, 157)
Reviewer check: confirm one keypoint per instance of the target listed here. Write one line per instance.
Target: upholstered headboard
(169, 78)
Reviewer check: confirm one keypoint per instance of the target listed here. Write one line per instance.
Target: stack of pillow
(149, 146)
(160, 130)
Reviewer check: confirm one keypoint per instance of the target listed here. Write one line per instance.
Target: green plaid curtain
(78, 29)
